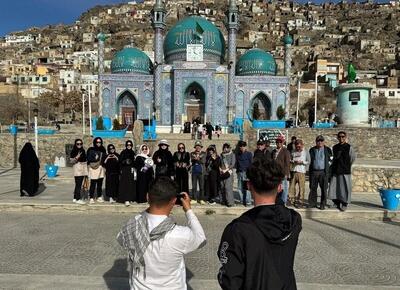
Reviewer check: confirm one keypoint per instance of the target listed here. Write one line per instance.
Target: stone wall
(369, 179)
(373, 143)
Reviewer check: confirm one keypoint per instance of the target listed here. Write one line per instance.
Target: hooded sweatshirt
(257, 249)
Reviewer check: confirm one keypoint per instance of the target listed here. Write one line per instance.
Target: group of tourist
(329, 169)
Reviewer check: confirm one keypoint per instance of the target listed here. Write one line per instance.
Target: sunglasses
(98, 142)
(145, 148)
(341, 136)
(79, 144)
(130, 145)
(320, 140)
(181, 147)
(112, 148)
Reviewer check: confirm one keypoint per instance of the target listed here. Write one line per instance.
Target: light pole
(300, 74)
(83, 111)
(35, 113)
(316, 96)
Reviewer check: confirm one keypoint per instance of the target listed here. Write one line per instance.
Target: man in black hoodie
(257, 249)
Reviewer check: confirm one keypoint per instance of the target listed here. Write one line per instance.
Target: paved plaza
(48, 242)
(79, 251)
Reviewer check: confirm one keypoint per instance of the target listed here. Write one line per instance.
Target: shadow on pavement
(189, 275)
(357, 234)
(366, 204)
(117, 278)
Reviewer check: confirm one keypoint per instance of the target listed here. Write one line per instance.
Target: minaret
(101, 37)
(288, 41)
(158, 19)
(232, 25)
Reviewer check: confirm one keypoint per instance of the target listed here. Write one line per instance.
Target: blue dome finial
(288, 40)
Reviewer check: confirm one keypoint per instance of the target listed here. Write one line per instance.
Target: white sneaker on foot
(127, 203)
(202, 202)
(100, 199)
(74, 200)
(91, 201)
(112, 200)
(193, 201)
(80, 201)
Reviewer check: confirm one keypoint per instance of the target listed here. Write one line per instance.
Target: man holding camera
(156, 245)
(257, 249)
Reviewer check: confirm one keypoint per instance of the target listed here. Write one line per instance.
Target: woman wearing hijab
(228, 161)
(111, 164)
(95, 156)
(127, 182)
(78, 158)
(213, 162)
(163, 160)
(29, 182)
(145, 173)
(181, 162)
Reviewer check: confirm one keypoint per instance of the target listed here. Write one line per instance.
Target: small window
(37, 79)
(354, 103)
(44, 79)
(391, 93)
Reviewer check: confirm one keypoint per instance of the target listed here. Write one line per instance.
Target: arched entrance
(194, 102)
(260, 107)
(127, 109)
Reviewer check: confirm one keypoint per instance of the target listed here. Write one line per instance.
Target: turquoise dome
(256, 62)
(288, 39)
(131, 60)
(184, 32)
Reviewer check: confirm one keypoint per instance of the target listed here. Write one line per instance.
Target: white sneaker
(202, 202)
(193, 201)
(132, 202)
(80, 201)
(127, 203)
(74, 200)
(100, 199)
(91, 201)
(112, 200)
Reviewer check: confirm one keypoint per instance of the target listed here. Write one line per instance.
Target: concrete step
(188, 136)
(312, 213)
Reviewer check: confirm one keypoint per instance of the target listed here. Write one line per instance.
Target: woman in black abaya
(95, 155)
(127, 182)
(111, 164)
(182, 163)
(29, 182)
(78, 158)
(145, 173)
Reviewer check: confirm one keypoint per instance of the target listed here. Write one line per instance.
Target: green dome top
(131, 60)
(288, 39)
(256, 62)
(188, 31)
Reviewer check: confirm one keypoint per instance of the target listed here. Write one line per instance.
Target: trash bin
(13, 129)
(68, 150)
(51, 170)
(390, 198)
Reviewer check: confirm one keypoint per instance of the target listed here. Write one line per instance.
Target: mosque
(195, 74)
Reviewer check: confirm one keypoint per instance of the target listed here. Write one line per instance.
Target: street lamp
(35, 113)
(299, 76)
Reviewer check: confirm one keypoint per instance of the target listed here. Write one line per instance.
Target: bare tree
(64, 102)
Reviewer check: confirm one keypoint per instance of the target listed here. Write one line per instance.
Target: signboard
(354, 96)
(271, 135)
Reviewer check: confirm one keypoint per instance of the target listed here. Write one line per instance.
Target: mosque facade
(195, 74)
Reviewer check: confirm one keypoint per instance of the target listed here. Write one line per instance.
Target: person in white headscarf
(145, 173)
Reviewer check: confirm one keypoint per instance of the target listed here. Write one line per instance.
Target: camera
(178, 198)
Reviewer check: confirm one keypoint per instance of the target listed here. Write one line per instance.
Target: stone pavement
(56, 195)
(79, 251)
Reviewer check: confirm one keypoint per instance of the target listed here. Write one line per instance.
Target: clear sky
(21, 14)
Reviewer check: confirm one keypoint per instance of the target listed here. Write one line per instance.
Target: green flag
(199, 31)
(351, 73)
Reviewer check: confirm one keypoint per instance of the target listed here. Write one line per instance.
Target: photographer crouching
(156, 244)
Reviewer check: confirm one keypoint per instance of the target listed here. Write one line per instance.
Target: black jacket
(257, 249)
(328, 155)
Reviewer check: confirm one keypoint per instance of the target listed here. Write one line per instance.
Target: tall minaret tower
(232, 25)
(101, 37)
(288, 41)
(158, 19)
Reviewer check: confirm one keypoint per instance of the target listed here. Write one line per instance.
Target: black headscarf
(27, 157)
(109, 148)
(76, 150)
(95, 152)
(127, 155)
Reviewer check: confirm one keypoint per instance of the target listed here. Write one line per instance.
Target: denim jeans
(285, 190)
(242, 178)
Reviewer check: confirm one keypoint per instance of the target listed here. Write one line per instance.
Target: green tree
(280, 112)
(100, 123)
